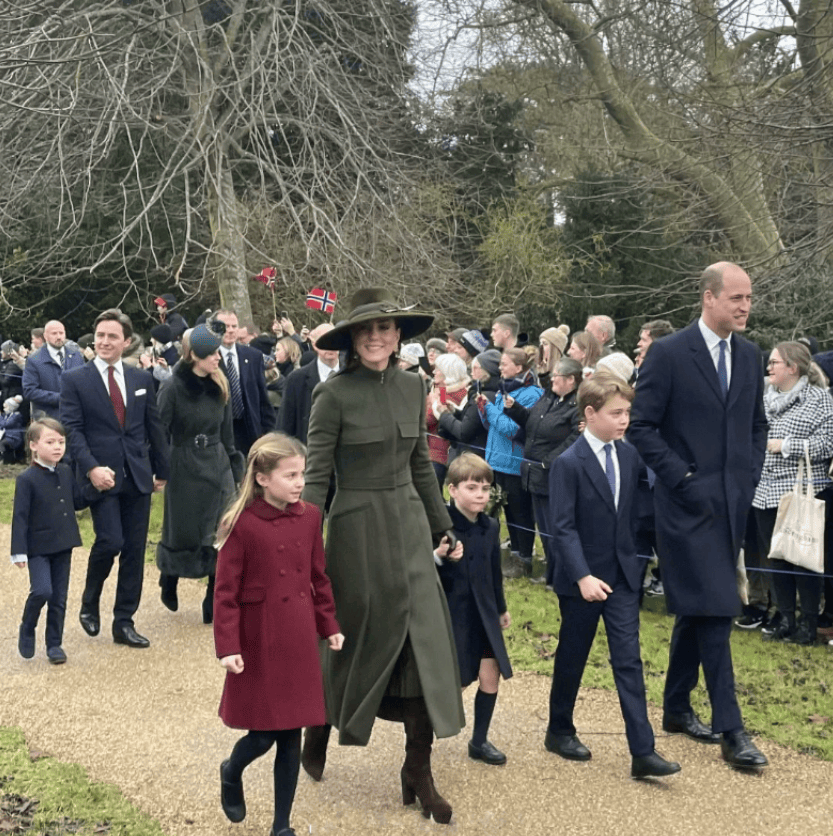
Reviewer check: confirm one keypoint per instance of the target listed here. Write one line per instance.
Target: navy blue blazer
(43, 521)
(42, 379)
(590, 535)
(97, 440)
(293, 416)
(681, 423)
(258, 414)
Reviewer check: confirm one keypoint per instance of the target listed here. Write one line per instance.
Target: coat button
(283, 572)
(281, 547)
(298, 544)
(285, 598)
(303, 596)
(300, 568)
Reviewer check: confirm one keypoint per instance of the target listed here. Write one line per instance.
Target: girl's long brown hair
(264, 456)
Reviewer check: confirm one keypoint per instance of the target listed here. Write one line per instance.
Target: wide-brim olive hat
(368, 304)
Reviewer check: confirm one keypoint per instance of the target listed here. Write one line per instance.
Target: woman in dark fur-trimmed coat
(195, 409)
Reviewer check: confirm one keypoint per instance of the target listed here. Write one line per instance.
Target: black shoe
(781, 633)
(26, 641)
(752, 620)
(90, 623)
(740, 752)
(772, 624)
(486, 753)
(568, 746)
(128, 635)
(56, 655)
(653, 766)
(287, 831)
(231, 796)
(805, 634)
(690, 725)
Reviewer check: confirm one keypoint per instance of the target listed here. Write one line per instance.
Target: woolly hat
(8, 347)
(474, 342)
(368, 304)
(12, 404)
(490, 362)
(264, 343)
(436, 344)
(205, 339)
(457, 334)
(556, 337)
(618, 364)
(411, 353)
(162, 334)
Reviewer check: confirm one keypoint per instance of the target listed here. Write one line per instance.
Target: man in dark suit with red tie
(243, 366)
(698, 422)
(121, 456)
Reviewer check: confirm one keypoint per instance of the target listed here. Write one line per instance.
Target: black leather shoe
(653, 766)
(287, 831)
(568, 746)
(128, 635)
(487, 753)
(740, 752)
(231, 796)
(689, 725)
(90, 623)
(56, 655)
(26, 642)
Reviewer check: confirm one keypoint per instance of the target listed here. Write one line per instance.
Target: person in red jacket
(272, 599)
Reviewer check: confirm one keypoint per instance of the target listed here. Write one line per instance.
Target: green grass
(65, 794)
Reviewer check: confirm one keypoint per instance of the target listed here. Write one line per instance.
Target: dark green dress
(370, 427)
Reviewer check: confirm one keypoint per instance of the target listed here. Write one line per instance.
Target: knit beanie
(556, 337)
(618, 364)
(490, 362)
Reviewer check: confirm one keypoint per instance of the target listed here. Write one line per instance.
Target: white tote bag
(798, 537)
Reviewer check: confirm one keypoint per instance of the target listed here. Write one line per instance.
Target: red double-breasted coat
(272, 599)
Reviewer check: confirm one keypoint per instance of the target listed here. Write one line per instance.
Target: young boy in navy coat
(44, 533)
(473, 584)
(598, 575)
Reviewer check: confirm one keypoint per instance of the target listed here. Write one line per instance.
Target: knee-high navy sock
(287, 765)
(254, 745)
(484, 707)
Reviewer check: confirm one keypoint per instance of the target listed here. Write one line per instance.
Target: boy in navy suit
(44, 533)
(598, 575)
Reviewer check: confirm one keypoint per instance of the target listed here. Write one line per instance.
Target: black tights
(287, 763)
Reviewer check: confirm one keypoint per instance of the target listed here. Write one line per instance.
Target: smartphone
(284, 315)
(477, 387)
(443, 394)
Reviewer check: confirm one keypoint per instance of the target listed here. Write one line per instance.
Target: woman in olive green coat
(398, 662)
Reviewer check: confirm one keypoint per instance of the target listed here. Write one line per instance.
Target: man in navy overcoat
(121, 456)
(698, 422)
(43, 369)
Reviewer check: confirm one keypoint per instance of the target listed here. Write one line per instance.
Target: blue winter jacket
(505, 443)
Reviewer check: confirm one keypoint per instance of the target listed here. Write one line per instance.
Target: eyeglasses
(774, 363)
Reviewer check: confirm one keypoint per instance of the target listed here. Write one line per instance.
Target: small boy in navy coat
(473, 584)
(44, 533)
(598, 574)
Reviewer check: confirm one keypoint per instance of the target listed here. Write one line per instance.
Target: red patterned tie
(115, 396)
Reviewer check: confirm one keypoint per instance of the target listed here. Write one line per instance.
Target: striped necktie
(234, 385)
(61, 358)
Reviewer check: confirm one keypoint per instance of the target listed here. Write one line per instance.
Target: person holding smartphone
(450, 389)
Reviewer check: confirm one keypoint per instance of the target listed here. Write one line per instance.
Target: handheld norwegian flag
(267, 276)
(322, 300)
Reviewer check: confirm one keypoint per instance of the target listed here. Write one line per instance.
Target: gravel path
(146, 720)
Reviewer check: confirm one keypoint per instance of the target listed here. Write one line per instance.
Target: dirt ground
(146, 721)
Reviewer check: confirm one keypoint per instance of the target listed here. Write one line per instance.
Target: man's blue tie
(234, 385)
(722, 373)
(610, 471)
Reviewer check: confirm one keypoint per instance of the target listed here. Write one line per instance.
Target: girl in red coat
(271, 601)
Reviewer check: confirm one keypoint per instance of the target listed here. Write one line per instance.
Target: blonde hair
(469, 467)
(797, 354)
(591, 347)
(217, 376)
(596, 391)
(292, 349)
(264, 456)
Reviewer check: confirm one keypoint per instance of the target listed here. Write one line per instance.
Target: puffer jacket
(504, 444)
